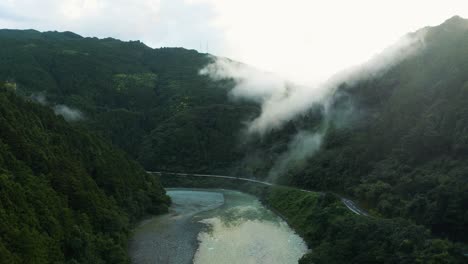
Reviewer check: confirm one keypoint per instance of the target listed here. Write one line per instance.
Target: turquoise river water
(215, 227)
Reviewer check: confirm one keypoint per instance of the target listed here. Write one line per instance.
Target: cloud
(303, 145)
(39, 98)
(282, 101)
(70, 114)
(251, 83)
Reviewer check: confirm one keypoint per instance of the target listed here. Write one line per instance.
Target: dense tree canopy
(153, 103)
(403, 154)
(65, 194)
(407, 156)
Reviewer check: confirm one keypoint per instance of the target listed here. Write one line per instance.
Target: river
(215, 227)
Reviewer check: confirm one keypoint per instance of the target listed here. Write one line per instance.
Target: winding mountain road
(347, 202)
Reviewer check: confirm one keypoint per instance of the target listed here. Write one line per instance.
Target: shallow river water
(215, 227)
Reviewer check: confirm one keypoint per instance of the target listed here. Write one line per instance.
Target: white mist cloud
(70, 114)
(281, 100)
(39, 98)
(251, 83)
(302, 146)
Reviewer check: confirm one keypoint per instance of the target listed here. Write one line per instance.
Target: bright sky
(303, 40)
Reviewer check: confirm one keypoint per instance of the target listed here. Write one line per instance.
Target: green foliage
(338, 236)
(139, 98)
(65, 195)
(406, 155)
(335, 234)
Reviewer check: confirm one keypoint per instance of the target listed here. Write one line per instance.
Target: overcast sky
(303, 40)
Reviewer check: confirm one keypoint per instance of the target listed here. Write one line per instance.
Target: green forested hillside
(150, 102)
(66, 196)
(408, 154)
(404, 154)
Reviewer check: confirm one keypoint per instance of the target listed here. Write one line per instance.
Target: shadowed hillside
(66, 196)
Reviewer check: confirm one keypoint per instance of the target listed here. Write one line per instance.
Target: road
(347, 202)
(213, 176)
(353, 207)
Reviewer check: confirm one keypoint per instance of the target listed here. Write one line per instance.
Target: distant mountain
(66, 196)
(151, 102)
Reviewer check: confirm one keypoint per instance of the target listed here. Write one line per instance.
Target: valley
(116, 152)
(213, 226)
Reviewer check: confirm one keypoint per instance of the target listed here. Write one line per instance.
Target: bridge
(347, 202)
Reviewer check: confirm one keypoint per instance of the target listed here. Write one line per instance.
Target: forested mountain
(404, 155)
(66, 196)
(153, 103)
(407, 156)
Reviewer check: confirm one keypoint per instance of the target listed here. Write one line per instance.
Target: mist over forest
(368, 165)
